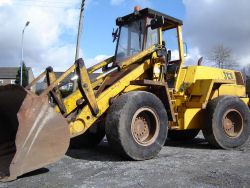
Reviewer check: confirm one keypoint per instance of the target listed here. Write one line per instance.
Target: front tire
(227, 122)
(136, 125)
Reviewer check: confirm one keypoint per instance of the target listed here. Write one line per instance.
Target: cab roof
(169, 22)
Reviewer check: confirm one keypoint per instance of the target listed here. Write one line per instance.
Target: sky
(50, 38)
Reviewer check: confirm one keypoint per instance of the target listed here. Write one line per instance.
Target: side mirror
(157, 22)
(186, 47)
(115, 34)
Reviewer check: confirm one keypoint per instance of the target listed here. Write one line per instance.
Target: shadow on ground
(34, 173)
(196, 143)
(103, 152)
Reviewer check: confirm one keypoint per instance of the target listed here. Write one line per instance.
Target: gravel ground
(179, 164)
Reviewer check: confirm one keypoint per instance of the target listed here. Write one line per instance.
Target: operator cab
(141, 30)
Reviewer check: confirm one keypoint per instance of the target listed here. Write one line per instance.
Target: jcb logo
(228, 76)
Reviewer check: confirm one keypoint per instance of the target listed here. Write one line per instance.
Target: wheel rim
(145, 126)
(232, 123)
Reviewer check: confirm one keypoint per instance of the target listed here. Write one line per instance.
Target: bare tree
(221, 56)
(247, 69)
(246, 75)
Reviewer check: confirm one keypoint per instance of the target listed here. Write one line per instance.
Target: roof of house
(9, 72)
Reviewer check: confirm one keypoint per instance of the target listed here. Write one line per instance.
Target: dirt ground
(179, 164)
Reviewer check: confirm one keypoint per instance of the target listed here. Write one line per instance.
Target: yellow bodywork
(194, 87)
(85, 118)
(197, 86)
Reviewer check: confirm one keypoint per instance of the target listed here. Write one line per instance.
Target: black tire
(227, 122)
(92, 137)
(183, 134)
(137, 125)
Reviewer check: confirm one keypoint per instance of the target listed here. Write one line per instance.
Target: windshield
(131, 39)
(152, 36)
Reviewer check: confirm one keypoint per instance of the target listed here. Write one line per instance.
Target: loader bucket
(32, 134)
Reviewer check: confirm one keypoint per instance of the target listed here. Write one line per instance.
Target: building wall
(7, 81)
(31, 78)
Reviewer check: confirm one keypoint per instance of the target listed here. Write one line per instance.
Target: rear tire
(181, 135)
(92, 137)
(227, 122)
(137, 125)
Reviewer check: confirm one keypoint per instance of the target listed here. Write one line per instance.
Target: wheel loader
(141, 98)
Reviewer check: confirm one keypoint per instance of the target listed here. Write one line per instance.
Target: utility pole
(21, 63)
(79, 39)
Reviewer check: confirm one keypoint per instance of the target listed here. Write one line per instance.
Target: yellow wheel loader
(141, 98)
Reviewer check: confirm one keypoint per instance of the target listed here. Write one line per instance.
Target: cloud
(193, 56)
(175, 55)
(209, 22)
(60, 58)
(92, 61)
(5, 2)
(45, 39)
(44, 43)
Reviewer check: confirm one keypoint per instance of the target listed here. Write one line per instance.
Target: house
(8, 76)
